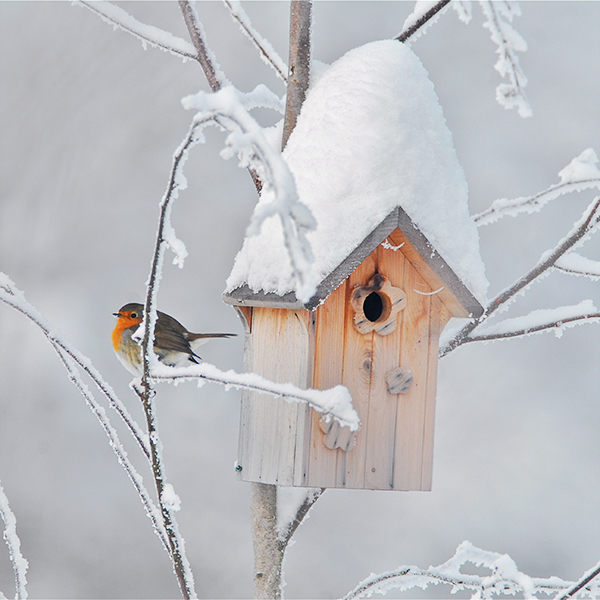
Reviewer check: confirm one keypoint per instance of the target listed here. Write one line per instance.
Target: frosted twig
(583, 583)
(412, 26)
(335, 403)
(530, 204)
(268, 53)
(215, 77)
(580, 231)
(579, 175)
(246, 139)
(12, 296)
(19, 563)
(71, 359)
(309, 500)
(509, 42)
(148, 34)
(504, 578)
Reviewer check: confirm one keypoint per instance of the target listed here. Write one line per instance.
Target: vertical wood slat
(414, 356)
(439, 317)
(379, 466)
(276, 431)
(356, 376)
(323, 469)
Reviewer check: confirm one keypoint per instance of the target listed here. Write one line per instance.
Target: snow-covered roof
(371, 137)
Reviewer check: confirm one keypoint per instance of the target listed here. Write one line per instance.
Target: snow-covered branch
(19, 563)
(72, 359)
(579, 175)
(423, 14)
(267, 52)
(498, 16)
(538, 321)
(215, 77)
(148, 34)
(504, 577)
(335, 403)
(584, 583)
(228, 109)
(580, 232)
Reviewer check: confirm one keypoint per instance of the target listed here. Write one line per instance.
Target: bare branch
(423, 20)
(148, 34)
(214, 75)
(299, 70)
(585, 225)
(267, 51)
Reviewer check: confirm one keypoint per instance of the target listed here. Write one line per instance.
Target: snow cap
(371, 136)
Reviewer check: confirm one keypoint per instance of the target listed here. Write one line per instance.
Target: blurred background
(89, 122)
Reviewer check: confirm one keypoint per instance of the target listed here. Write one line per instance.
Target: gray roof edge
(244, 296)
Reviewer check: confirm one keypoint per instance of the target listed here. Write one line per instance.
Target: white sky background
(89, 121)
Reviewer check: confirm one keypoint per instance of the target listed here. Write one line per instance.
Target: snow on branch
(538, 321)
(579, 175)
(72, 359)
(425, 13)
(19, 563)
(228, 109)
(504, 577)
(148, 34)
(575, 264)
(267, 52)
(335, 403)
(580, 232)
(498, 16)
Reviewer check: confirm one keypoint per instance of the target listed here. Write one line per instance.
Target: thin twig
(214, 76)
(263, 46)
(570, 593)
(587, 224)
(483, 337)
(434, 10)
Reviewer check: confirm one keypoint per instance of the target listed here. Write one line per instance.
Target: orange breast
(123, 322)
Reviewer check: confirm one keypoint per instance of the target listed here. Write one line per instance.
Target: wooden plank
(357, 368)
(379, 466)
(446, 295)
(439, 317)
(323, 469)
(411, 406)
(270, 445)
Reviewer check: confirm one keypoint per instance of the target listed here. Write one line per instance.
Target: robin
(173, 343)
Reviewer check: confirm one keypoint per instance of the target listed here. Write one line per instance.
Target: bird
(173, 343)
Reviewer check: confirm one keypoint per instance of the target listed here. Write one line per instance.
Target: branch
(504, 578)
(509, 42)
(530, 204)
(575, 264)
(268, 53)
(578, 234)
(70, 358)
(19, 563)
(299, 70)
(410, 27)
(215, 77)
(335, 403)
(311, 498)
(227, 109)
(582, 583)
(148, 34)
(503, 330)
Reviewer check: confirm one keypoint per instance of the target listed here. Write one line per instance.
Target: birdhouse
(395, 257)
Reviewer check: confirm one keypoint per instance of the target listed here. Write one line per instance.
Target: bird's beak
(117, 314)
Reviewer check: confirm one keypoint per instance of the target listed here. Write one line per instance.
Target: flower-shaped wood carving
(377, 305)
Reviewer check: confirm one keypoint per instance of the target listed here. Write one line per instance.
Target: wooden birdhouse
(396, 256)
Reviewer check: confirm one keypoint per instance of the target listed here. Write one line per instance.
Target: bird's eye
(134, 315)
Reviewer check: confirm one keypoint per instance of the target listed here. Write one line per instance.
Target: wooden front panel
(274, 434)
(394, 447)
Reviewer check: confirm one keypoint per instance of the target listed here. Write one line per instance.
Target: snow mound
(371, 136)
